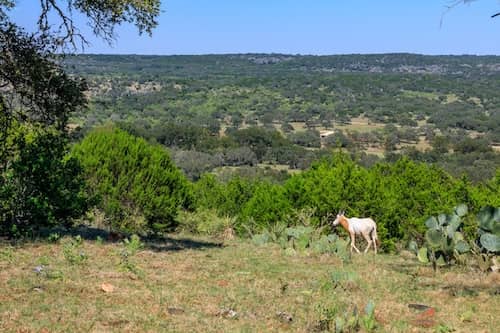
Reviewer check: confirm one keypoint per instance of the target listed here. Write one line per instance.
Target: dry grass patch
(195, 285)
(360, 124)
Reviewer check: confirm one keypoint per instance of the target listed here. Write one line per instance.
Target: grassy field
(189, 284)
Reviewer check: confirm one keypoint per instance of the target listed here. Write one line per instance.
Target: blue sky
(304, 27)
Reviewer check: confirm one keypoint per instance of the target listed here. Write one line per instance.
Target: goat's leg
(353, 243)
(368, 240)
(373, 236)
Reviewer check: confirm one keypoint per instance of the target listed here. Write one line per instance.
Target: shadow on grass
(462, 288)
(457, 287)
(157, 243)
(166, 243)
(408, 267)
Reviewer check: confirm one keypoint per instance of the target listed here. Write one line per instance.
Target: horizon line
(285, 54)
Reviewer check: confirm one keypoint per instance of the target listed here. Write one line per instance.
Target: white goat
(359, 226)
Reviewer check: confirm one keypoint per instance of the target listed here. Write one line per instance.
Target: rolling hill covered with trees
(246, 109)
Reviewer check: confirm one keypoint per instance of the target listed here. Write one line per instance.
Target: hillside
(376, 104)
(261, 64)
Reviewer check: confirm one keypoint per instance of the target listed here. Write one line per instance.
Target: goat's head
(336, 222)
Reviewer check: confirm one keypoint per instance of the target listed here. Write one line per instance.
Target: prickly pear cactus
(489, 228)
(443, 240)
(423, 255)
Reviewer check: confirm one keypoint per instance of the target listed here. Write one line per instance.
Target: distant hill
(243, 109)
(259, 64)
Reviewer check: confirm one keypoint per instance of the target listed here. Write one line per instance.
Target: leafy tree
(469, 145)
(36, 90)
(228, 198)
(440, 144)
(38, 184)
(103, 16)
(41, 186)
(455, 3)
(397, 195)
(240, 156)
(267, 206)
(134, 180)
(309, 138)
(338, 139)
(195, 163)
(259, 140)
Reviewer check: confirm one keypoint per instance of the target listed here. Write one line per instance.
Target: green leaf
(261, 239)
(422, 255)
(440, 261)
(461, 210)
(370, 308)
(432, 223)
(486, 218)
(453, 219)
(458, 236)
(303, 241)
(413, 247)
(292, 232)
(298, 231)
(462, 247)
(332, 238)
(434, 238)
(442, 219)
(490, 242)
(452, 228)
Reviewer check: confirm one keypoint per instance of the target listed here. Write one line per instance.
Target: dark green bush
(138, 185)
(267, 206)
(227, 198)
(399, 196)
(40, 185)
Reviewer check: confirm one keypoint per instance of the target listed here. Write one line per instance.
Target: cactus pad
(490, 242)
(461, 210)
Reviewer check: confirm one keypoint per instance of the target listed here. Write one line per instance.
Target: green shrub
(40, 185)
(267, 206)
(340, 318)
(130, 248)
(133, 179)
(227, 198)
(204, 222)
(73, 252)
(398, 196)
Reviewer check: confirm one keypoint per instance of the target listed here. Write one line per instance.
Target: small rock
(107, 287)
(426, 318)
(222, 283)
